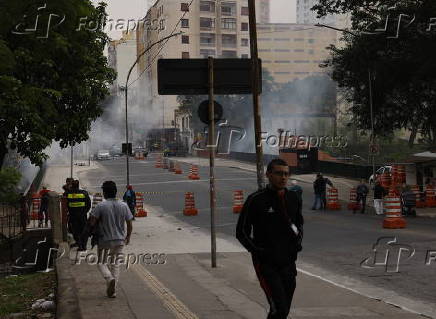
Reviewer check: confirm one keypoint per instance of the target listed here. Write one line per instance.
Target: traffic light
(124, 148)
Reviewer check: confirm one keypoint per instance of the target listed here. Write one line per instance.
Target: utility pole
(71, 162)
(212, 161)
(256, 98)
(372, 121)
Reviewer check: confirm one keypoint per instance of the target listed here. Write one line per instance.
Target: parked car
(379, 172)
(103, 155)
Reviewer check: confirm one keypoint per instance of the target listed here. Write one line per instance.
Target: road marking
(170, 301)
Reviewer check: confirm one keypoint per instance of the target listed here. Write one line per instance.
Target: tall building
(217, 28)
(290, 51)
(263, 11)
(121, 56)
(307, 16)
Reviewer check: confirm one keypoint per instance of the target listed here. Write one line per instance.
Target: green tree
(9, 178)
(400, 60)
(52, 80)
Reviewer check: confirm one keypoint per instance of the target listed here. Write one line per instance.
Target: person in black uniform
(274, 216)
(78, 203)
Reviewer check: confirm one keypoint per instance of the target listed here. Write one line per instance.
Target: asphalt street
(335, 242)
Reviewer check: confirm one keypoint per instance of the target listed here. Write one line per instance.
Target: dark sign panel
(190, 76)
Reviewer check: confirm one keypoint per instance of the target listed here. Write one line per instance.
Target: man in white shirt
(110, 216)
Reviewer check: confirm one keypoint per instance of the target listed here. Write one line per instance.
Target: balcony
(207, 7)
(228, 9)
(207, 40)
(229, 40)
(207, 24)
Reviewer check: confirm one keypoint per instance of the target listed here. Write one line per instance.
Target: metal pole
(71, 162)
(256, 98)
(372, 119)
(127, 145)
(212, 162)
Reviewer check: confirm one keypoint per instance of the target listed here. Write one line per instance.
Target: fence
(11, 222)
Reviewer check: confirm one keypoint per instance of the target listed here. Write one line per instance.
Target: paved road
(335, 243)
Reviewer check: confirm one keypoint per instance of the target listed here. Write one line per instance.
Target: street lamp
(371, 108)
(126, 89)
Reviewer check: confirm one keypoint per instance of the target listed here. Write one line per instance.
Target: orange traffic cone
(194, 173)
(190, 209)
(430, 196)
(165, 163)
(177, 169)
(238, 201)
(158, 162)
(353, 199)
(393, 218)
(332, 199)
(140, 211)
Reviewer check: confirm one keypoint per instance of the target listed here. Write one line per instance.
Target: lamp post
(371, 102)
(126, 90)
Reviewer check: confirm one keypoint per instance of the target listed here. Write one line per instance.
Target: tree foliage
(9, 178)
(392, 46)
(52, 79)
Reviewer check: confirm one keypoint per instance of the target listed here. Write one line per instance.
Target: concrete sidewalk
(187, 287)
(343, 184)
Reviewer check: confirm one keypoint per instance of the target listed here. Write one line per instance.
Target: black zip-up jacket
(265, 231)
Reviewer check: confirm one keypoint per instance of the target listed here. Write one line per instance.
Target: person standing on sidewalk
(43, 208)
(319, 188)
(78, 203)
(129, 198)
(273, 215)
(379, 193)
(361, 192)
(110, 217)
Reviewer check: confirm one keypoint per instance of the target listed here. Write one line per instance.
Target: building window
(282, 61)
(264, 50)
(244, 42)
(298, 39)
(184, 7)
(299, 50)
(185, 23)
(207, 23)
(244, 56)
(205, 53)
(264, 39)
(244, 11)
(282, 50)
(207, 6)
(228, 23)
(301, 61)
(310, 51)
(207, 39)
(311, 40)
(229, 54)
(229, 40)
(281, 39)
(185, 55)
(185, 39)
(244, 26)
(228, 9)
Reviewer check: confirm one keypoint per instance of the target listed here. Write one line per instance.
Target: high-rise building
(307, 16)
(293, 51)
(263, 11)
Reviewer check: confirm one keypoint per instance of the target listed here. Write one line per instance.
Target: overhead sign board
(191, 77)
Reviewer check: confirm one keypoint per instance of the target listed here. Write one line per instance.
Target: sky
(282, 11)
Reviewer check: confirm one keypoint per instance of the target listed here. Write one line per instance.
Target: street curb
(67, 300)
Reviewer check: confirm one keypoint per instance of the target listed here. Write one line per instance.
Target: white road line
(170, 301)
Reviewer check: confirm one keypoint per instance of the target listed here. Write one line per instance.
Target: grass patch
(18, 293)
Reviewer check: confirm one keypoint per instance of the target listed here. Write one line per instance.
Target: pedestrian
(43, 207)
(78, 204)
(110, 217)
(319, 188)
(408, 201)
(67, 186)
(361, 192)
(24, 212)
(270, 227)
(296, 188)
(129, 198)
(379, 193)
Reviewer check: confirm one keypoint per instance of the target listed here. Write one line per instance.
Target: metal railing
(11, 222)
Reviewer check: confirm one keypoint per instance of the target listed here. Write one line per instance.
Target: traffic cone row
(238, 201)
(190, 209)
(140, 211)
(332, 199)
(393, 218)
(177, 169)
(194, 173)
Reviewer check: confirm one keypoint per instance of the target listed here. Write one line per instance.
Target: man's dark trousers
(361, 199)
(78, 222)
(278, 283)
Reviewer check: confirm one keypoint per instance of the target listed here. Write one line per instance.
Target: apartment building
(306, 16)
(121, 56)
(291, 51)
(217, 28)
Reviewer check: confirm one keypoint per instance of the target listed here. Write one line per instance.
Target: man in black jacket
(274, 216)
(78, 203)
